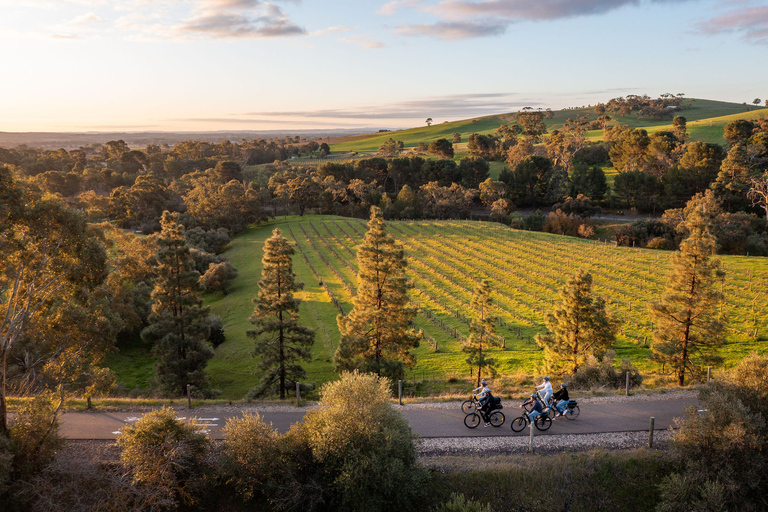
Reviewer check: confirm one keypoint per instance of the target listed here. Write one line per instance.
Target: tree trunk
(3, 404)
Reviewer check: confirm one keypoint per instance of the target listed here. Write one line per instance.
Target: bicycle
(495, 417)
(542, 422)
(471, 405)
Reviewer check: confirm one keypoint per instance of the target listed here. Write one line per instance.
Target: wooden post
(650, 433)
(189, 398)
(530, 438)
(298, 395)
(88, 398)
(709, 374)
(400, 391)
(627, 391)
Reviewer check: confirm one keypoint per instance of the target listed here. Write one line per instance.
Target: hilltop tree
(377, 336)
(179, 324)
(429, 121)
(687, 327)
(578, 328)
(481, 332)
(280, 341)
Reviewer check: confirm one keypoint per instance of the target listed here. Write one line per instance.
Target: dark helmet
(546, 379)
(534, 395)
(563, 384)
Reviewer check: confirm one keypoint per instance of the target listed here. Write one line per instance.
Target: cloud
(453, 31)
(368, 44)
(462, 19)
(332, 30)
(391, 8)
(215, 19)
(80, 27)
(751, 22)
(459, 106)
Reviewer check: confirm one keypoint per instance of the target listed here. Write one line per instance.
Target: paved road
(426, 422)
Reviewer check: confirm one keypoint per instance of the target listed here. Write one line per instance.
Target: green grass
(446, 258)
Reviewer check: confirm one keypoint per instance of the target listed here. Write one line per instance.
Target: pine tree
(179, 324)
(578, 328)
(280, 341)
(687, 327)
(377, 334)
(482, 332)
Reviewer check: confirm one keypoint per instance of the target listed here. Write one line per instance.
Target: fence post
(530, 439)
(709, 373)
(298, 394)
(400, 391)
(650, 433)
(627, 390)
(189, 398)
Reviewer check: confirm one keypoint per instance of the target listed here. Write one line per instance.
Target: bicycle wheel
(519, 424)
(543, 423)
(497, 418)
(472, 420)
(468, 406)
(572, 414)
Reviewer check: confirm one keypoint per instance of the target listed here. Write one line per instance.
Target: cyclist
(546, 389)
(561, 399)
(484, 397)
(536, 408)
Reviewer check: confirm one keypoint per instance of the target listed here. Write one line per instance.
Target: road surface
(427, 422)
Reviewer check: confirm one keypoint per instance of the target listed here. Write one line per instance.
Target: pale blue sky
(73, 65)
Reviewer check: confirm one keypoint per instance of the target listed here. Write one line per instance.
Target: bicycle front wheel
(468, 406)
(472, 420)
(497, 418)
(543, 423)
(519, 424)
(572, 414)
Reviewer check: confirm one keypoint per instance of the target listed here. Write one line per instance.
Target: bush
(165, 457)
(363, 446)
(35, 436)
(458, 503)
(561, 224)
(597, 373)
(723, 450)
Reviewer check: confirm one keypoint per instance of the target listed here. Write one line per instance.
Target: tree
(578, 328)
(732, 183)
(680, 128)
(687, 326)
(280, 341)
(456, 137)
(482, 332)
(738, 131)
(532, 123)
(377, 336)
(218, 276)
(443, 148)
(48, 254)
(758, 193)
(429, 121)
(389, 148)
(756, 101)
(178, 325)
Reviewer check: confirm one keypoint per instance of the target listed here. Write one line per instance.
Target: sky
(206, 65)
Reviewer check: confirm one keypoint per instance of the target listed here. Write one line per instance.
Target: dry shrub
(560, 223)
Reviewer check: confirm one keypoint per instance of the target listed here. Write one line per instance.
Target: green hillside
(706, 120)
(446, 259)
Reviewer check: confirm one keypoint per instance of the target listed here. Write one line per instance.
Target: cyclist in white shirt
(546, 390)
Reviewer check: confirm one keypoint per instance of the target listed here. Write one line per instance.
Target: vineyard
(446, 260)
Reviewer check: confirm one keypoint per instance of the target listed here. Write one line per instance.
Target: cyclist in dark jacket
(561, 399)
(535, 409)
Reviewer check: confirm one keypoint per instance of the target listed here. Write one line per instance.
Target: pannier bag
(572, 404)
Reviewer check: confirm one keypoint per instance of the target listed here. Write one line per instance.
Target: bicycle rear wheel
(497, 418)
(519, 424)
(572, 414)
(543, 423)
(472, 420)
(468, 406)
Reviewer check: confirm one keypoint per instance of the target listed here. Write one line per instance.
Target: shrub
(251, 457)
(723, 450)
(165, 457)
(34, 436)
(458, 503)
(597, 373)
(560, 223)
(363, 446)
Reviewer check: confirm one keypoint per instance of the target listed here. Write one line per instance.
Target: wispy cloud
(331, 30)
(462, 19)
(368, 44)
(751, 22)
(391, 8)
(80, 27)
(459, 106)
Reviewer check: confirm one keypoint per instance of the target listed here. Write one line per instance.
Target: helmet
(563, 384)
(483, 382)
(546, 379)
(534, 395)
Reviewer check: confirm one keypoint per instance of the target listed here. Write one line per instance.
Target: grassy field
(706, 120)
(446, 260)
